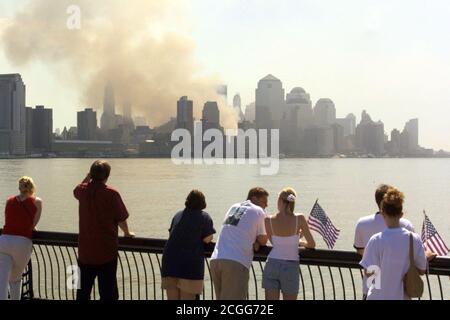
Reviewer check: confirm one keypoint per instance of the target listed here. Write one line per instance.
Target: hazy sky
(388, 57)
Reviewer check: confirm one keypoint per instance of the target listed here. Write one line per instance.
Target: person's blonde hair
(26, 185)
(288, 196)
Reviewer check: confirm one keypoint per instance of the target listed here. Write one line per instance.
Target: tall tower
(237, 106)
(185, 117)
(211, 116)
(269, 104)
(412, 128)
(12, 115)
(325, 112)
(108, 119)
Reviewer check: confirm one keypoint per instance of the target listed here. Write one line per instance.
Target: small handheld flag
(321, 223)
(432, 239)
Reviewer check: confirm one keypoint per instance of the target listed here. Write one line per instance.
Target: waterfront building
(324, 112)
(39, 129)
(108, 120)
(12, 115)
(87, 124)
(270, 103)
(370, 136)
(348, 123)
(185, 114)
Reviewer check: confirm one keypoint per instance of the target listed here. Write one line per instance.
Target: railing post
(27, 283)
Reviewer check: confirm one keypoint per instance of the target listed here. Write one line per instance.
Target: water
(155, 189)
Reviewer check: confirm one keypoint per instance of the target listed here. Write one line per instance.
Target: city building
(250, 112)
(270, 103)
(39, 129)
(318, 141)
(87, 125)
(348, 123)
(237, 107)
(324, 112)
(12, 115)
(300, 100)
(185, 117)
(210, 116)
(370, 136)
(108, 120)
(412, 129)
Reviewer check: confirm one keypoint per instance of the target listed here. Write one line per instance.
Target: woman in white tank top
(285, 230)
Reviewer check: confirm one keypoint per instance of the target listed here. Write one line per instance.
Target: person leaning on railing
(22, 214)
(387, 255)
(233, 254)
(183, 261)
(101, 212)
(372, 224)
(284, 230)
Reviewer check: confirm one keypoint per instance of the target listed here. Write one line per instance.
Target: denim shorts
(281, 275)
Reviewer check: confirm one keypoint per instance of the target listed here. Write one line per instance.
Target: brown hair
(100, 170)
(289, 202)
(195, 200)
(257, 192)
(392, 204)
(26, 185)
(380, 192)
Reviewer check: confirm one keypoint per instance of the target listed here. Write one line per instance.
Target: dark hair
(257, 192)
(392, 204)
(380, 192)
(195, 200)
(100, 170)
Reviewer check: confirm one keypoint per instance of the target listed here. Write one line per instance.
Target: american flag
(432, 239)
(319, 221)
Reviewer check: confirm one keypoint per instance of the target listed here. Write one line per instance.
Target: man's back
(243, 223)
(100, 210)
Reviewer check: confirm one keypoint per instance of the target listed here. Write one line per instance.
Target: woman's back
(19, 216)
(389, 251)
(184, 252)
(285, 237)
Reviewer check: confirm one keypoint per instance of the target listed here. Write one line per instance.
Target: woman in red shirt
(22, 214)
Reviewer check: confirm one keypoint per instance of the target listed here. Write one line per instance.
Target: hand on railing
(129, 234)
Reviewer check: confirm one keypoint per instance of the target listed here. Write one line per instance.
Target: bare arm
(124, 227)
(37, 216)
(309, 240)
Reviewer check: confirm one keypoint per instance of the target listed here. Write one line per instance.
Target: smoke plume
(134, 44)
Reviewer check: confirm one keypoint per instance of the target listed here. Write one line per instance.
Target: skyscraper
(269, 104)
(250, 112)
(39, 129)
(211, 116)
(185, 117)
(348, 123)
(325, 112)
(12, 115)
(370, 136)
(412, 128)
(237, 106)
(300, 100)
(109, 120)
(87, 124)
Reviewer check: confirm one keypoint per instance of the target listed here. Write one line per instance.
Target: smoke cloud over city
(130, 45)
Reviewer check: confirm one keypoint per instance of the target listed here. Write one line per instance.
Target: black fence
(324, 274)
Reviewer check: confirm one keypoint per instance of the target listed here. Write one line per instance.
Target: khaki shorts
(185, 285)
(230, 279)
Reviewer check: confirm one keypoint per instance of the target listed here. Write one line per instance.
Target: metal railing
(324, 274)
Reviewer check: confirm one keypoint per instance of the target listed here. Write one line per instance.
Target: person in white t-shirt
(233, 254)
(387, 255)
(369, 225)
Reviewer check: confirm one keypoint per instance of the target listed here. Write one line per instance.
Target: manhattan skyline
(389, 59)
